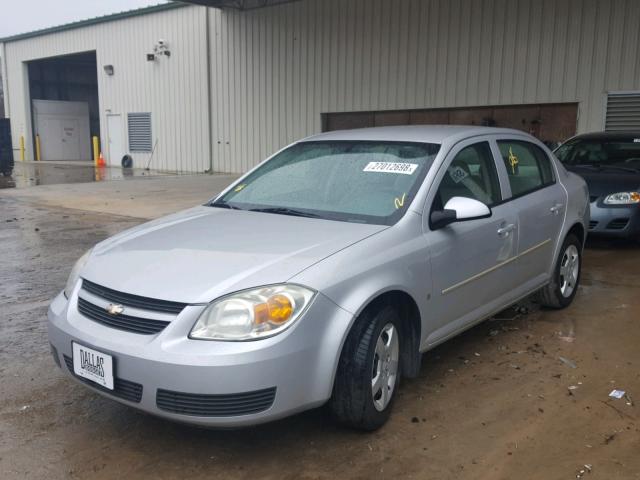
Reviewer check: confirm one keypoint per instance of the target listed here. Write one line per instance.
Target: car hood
(202, 253)
(604, 182)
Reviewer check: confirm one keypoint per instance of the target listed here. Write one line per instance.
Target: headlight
(75, 273)
(622, 198)
(252, 314)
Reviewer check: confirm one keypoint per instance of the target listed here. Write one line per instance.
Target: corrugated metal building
(279, 73)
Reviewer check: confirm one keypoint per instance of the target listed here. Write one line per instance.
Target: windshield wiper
(220, 204)
(285, 211)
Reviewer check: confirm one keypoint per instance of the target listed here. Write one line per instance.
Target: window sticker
(457, 174)
(391, 167)
(239, 187)
(513, 161)
(399, 202)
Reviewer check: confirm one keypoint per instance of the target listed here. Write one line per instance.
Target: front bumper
(279, 376)
(621, 221)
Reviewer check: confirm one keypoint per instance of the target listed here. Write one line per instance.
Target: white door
(115, 132)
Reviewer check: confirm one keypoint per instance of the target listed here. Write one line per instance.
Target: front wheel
(368, 373)
(562, 288)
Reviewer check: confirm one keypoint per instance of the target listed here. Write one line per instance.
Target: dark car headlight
(622, 198)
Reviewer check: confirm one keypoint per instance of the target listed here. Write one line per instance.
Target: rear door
(540, 202)
(472, 260)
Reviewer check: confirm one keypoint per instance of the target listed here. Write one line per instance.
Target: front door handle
(556, 208)
(506, 230)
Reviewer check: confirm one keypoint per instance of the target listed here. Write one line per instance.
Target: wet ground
(30, 174)
(495, 403)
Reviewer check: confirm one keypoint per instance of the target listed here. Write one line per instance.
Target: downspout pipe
(209, 89)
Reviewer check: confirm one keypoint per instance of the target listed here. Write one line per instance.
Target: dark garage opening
(64, 105)
(551, 123)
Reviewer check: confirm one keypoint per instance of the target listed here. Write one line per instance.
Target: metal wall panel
(274, 71)
(173, 89)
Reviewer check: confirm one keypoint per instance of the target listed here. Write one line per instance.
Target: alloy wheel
(569, 270)
(385, 366)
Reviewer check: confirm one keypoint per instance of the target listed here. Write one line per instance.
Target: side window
(471, 174)
(527, 165)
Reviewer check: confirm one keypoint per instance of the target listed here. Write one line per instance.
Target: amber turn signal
(277, 310)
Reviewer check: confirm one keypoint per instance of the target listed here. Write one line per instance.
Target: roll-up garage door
(623, 112)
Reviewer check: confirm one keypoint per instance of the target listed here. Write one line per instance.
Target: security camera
(161, 42)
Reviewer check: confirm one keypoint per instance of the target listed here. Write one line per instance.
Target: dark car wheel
(562, 288)
(368, 373)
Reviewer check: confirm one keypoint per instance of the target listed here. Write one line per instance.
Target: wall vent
(139, 128)
(623, 112)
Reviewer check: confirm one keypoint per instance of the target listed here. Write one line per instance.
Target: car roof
(413, 133)
(606, 136)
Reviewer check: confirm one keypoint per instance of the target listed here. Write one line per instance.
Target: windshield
(365, 182)
(601, 153)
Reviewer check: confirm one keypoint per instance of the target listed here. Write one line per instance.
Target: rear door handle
(506, 230)
(556, 208)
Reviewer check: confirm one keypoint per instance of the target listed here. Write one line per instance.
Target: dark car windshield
(355, 181)
(622, 152)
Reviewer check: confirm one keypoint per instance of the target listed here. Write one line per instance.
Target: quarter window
(528, 167)
(471, 174)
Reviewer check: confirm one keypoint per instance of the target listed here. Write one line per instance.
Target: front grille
(125, 389)
(203, 405)
(593, 198)
(618, 224)
(592, 224)
(135, 301)
(144, 326)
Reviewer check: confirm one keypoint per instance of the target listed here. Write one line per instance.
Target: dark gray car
(610, 164)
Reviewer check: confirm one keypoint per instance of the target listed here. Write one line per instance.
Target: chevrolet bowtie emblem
(114, 309)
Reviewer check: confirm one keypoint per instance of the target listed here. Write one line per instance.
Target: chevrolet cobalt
(322, 275)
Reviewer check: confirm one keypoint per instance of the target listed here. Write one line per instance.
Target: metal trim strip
(495, 267)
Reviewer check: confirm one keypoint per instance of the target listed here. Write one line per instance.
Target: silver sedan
(322, 275)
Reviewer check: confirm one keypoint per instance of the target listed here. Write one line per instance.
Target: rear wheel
(562, 288)
(368, 373)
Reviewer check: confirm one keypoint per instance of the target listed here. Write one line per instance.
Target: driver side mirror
(459, 209)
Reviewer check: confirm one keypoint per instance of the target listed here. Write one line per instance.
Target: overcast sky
(19, 16)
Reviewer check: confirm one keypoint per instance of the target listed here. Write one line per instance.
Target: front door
(115, 134)
(471, 260)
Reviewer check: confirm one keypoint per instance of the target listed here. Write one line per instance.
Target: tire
(354, 402)
(562, 288)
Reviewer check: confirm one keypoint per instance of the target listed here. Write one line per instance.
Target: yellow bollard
(96, 150)
(21, 148)
(37, 147)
